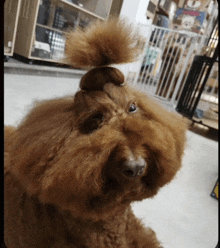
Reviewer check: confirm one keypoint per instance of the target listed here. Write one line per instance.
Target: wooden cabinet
(42, 25)
(11, 13)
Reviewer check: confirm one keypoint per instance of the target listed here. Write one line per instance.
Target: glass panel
(85, 19)
(57, 44)
(44, 13)
(52, 15)
(55, 18)
(49, 44)
(65, 18)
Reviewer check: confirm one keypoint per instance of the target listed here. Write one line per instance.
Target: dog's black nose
(133, 168)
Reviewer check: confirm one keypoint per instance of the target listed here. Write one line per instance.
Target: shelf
(209, 98)
(207, 122)
(48, 60)
(82, 9)
(53, 29)
(44, 24)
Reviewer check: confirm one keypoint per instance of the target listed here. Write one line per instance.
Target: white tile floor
(183, 214)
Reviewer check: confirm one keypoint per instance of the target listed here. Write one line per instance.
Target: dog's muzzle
(134, 167)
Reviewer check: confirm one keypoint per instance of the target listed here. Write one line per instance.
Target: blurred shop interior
(181, 42)
(178, 68)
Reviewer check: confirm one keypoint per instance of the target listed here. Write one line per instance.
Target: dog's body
(74, 165)
(29, 223)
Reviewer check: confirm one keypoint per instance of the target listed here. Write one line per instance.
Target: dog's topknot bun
(96, 78)
(102, 43)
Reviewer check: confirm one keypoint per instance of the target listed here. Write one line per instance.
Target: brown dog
(74, 165)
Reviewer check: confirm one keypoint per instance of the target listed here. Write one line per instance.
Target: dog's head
(106, 147)
(98, 152)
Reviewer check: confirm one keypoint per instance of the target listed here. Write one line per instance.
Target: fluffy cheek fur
(77, 171)
(76, 174)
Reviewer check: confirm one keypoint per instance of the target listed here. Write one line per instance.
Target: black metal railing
(195, 84)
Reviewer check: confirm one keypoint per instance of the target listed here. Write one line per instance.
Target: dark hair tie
(95, 79)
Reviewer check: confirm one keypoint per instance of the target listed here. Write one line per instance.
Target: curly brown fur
(65, 183)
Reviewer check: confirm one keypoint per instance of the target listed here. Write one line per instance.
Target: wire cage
(199, 98)
(166, 61)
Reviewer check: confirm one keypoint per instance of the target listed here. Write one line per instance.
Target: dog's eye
(132, 108)
(92, 123)
(97, 116)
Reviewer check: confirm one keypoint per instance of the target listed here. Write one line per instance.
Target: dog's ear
(9, 137)
(38, 139)
(96, 78)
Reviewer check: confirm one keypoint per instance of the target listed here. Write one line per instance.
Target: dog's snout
(133, 168)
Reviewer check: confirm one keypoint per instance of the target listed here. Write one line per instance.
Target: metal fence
(166, 61)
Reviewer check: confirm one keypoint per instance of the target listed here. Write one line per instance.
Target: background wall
(135, 12)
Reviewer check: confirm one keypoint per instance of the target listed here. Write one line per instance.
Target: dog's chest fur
(54, 228)
(103, 233)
